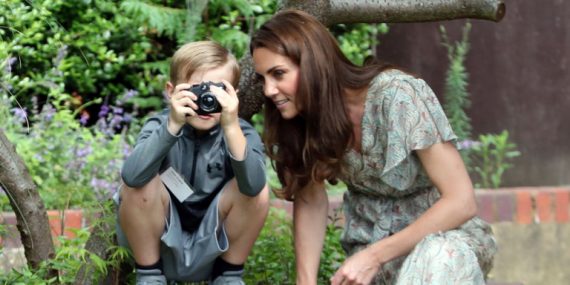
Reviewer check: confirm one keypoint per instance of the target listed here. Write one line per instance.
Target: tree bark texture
(398, 11)
(31, 216)
(250, 93)
(332, 12)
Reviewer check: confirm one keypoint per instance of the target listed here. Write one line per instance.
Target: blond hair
(201, 55)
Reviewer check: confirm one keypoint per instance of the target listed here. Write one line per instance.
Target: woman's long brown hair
(310, 147)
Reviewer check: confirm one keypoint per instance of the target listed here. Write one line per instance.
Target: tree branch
(398, 11)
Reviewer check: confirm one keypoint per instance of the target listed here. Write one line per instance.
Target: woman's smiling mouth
(280, 102)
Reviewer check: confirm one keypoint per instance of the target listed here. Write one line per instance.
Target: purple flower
(99, 183)
(103, 187)
(84, 118)
(104, 127)
(130, 94)
(116, 121)
(48, 111)
(127, 118)
(83, 152)
(39, 158)
(104, 111)
(126, 96)
(117, 110)
(468, 144)
(126, 150)
(21, 114)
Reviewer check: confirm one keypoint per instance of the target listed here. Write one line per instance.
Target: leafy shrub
(359, 41)
(488, 158)
(73, 166)
(78, 50)
(456, 82)
(69, 257)
(491, 156)
(272, 260)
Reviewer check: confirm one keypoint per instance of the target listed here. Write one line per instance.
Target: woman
(410, 204)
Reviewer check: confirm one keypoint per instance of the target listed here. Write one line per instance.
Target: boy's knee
(144, 197)
(261, 201)
(258, 203)
(264, 196)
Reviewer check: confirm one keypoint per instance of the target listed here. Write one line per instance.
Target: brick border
(521, 205)
(524, 205)
(59, 221)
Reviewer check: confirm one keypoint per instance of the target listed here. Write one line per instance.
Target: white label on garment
(176, 184)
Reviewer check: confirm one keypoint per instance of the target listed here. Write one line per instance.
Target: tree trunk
(250, 94)
(332, 12)
(31, 216)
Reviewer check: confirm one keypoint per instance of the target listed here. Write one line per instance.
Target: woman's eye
(278, 73)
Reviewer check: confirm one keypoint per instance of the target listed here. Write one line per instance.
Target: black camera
(207, 102)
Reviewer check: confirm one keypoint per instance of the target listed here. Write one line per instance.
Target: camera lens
(208, 102)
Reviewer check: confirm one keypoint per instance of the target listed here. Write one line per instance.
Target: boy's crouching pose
(194, 197)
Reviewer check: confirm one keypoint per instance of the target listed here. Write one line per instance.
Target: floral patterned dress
(388, 188)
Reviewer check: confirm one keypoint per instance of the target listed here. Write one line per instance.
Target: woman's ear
(169, 87)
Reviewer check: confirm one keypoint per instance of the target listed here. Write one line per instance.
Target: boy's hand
(229, 121)
(229, 102)
(181, 105)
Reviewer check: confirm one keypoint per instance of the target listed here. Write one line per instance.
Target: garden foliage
(456, 95)
(488, 158)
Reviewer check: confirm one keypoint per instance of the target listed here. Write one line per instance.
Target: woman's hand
(359, 269)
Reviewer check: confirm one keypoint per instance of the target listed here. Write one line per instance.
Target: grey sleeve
(250, 172)
(153, 144)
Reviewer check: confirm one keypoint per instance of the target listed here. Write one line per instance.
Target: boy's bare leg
(142, 215)
(243, 217)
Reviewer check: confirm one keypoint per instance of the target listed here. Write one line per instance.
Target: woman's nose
(269, 89)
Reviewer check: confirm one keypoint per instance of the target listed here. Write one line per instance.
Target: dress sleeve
(414, 120)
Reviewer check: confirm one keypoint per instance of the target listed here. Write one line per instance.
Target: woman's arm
(446, 170)
(310, 210)
(457, 204)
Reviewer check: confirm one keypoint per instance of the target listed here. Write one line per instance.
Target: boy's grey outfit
(194, 236)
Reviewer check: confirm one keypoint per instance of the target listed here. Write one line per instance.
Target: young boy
(194, 197)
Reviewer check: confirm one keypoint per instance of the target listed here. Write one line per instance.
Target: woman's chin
(288, 113)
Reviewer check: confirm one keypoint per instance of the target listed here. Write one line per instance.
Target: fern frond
(164, 20)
